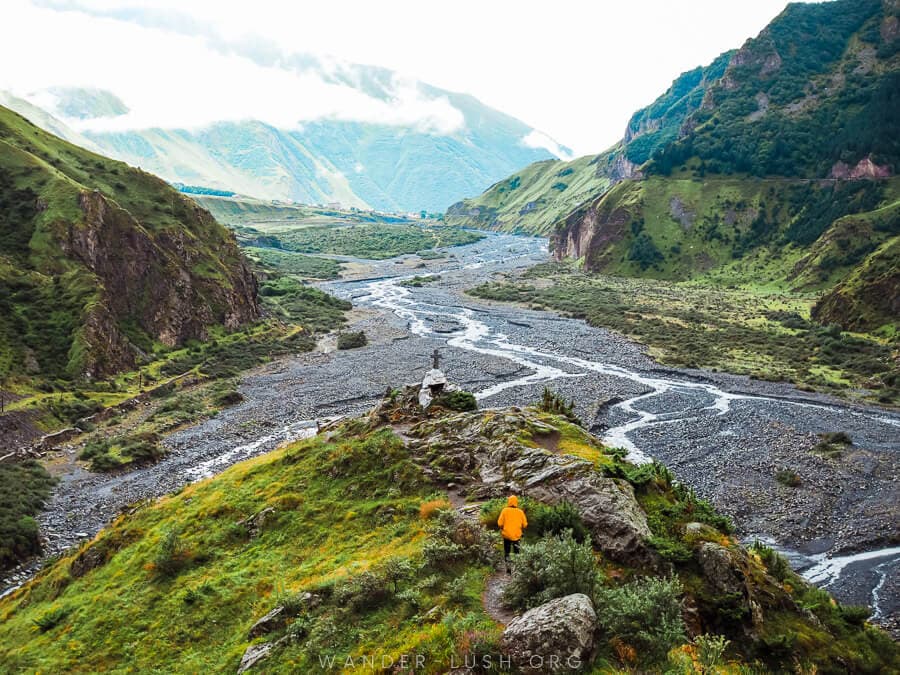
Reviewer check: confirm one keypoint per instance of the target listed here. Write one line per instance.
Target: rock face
(555, 637)
(173, 287)
(488, 455)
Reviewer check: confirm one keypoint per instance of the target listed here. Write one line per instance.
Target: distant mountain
(776, 163)
(394, 167)
(100, 262)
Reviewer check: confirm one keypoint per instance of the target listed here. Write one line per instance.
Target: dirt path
(492, 599)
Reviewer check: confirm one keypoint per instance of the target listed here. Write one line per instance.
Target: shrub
(710, 650)
(352, 340)
(170, 556)
(51, 618)
(788, 477)
(776, 564)
(428, 509)
(551, 568)
(364, 591)
(454, 539)
(553, 403)
(645, 614)
(461, 401)
(396, 570)
(856, 615)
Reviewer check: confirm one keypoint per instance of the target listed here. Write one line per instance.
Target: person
(512, 522)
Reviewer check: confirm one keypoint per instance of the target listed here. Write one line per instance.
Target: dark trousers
(509, 545)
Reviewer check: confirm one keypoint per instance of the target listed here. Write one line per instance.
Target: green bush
(788, 477)
(552, 567)
(24, 486)
(170, 557)
(352, 340)
(776, 564)
(454, 539)
(51, 618)
(553, 403)
(645, 614)
(461, 401)
(364, 591)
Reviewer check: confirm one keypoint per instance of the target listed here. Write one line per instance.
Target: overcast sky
(575, 70)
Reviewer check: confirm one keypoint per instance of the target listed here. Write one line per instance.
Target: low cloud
(172, 79)
(538, 139)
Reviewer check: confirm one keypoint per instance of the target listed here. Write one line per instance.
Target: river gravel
(724, 435)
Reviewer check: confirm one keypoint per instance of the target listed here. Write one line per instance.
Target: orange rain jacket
(512, 520)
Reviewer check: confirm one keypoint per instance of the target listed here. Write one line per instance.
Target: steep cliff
(100, 261)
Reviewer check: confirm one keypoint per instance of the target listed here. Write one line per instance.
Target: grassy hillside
(354, 537)
(89, 252)
(533, 199)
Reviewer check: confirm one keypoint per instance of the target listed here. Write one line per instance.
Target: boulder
(253, 655)
(556, 637)
(720, 569)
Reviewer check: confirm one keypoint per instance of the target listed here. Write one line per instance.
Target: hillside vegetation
(89, 253)
(770, 172)
(353, 536)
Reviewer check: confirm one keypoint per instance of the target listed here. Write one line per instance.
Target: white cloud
(538, 139)
(575, 70)
(172, 80)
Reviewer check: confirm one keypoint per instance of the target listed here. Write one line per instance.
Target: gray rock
(256, 653)
(556, 637)
(270, 622)
(253, 655)
(719, 569)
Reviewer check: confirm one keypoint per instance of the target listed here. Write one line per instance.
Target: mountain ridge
(392, 167)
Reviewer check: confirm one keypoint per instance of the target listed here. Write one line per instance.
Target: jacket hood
(512, 501)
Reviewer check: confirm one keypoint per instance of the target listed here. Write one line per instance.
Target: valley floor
(727, 436)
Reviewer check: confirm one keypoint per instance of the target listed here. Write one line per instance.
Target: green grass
(527, 200)
(341, 509)
(24, 486)
(371, 241)
(295, 264)
(764, 334)
(303, 305)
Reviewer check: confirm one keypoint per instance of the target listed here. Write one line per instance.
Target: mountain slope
(773, 165)
(394, 167)
(100, 261)
(534, 199)
(354, 536)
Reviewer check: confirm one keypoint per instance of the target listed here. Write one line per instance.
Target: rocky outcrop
(592, 230)
(556, 637)
(270, 622)
(256, 653)
(486, 454)
(865, 168)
